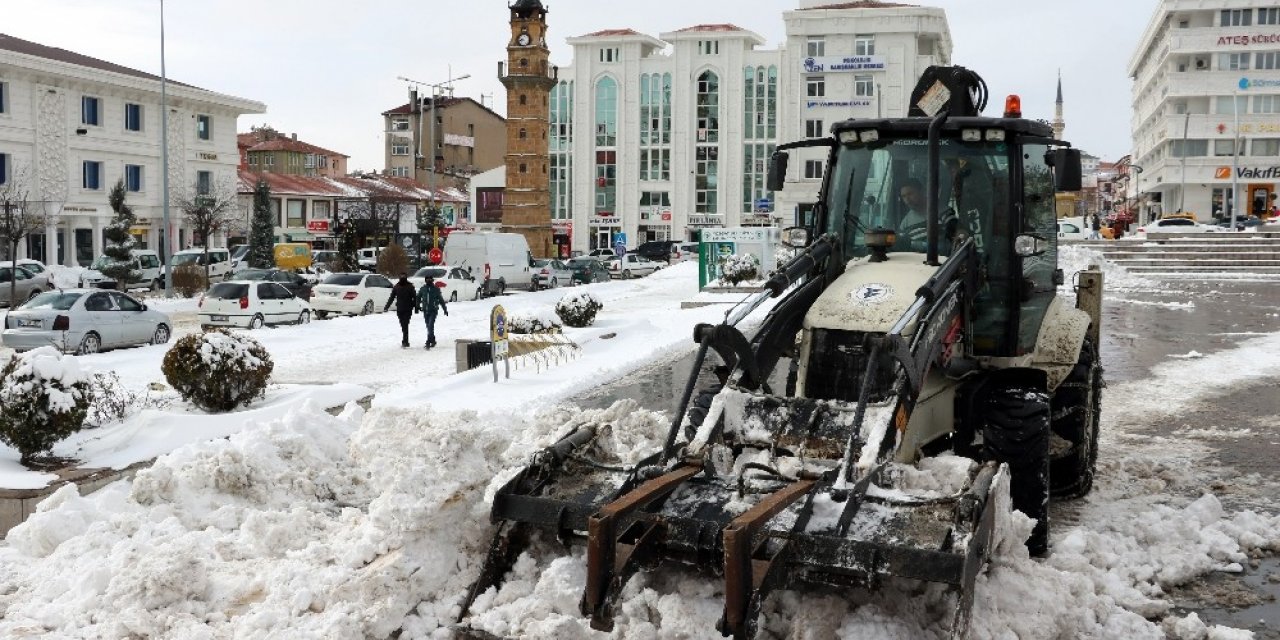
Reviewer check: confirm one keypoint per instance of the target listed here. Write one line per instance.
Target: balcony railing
(541, 69)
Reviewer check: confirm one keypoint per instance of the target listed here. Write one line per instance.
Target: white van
(499, 260)
(146, 266)
(219, 261)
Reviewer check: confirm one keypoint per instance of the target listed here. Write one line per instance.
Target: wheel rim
(256, 322)
(304, 317)
(368, 308)
(453, 297)
(90, 344)
(161, 336)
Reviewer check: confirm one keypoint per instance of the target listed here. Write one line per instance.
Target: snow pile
(1192, 628)
(1076, 258)
(64, 277)
(224, 350)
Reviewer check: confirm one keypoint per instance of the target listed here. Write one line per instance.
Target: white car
(1175, 225)
(251, 304)
(684, 252)
(351, 294)
(1072, 229)
(601, 254)
(455, 282)
(34, 266)
(630, 265)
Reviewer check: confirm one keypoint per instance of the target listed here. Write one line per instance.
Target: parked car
(549, 274)
(297, 284)
(1072, 229)
(34, 266)
(146, 265)
(1175, 225)
(251, 304)
(631, 265)
(323, 257)
(683, 252)
(601, 254)
(1241, 223)
(26, 285)
(219, 261)
(367, 258)
(350, 293)
(587, 270)
(455, 283)
(657, 250)
(84, 321)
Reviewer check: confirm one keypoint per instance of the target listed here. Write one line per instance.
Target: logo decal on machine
(871, 293)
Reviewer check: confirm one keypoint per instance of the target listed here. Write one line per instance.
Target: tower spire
(1059, 124)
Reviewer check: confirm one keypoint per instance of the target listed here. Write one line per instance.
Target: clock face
(523, 40)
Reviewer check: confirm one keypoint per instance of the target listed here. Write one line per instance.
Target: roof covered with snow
(860, 4)
(26, 47)
(370, 186)
(271, 140)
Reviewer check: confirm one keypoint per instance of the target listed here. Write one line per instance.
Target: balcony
(540, 71)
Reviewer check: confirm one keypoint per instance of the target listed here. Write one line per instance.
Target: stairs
(1247, 255)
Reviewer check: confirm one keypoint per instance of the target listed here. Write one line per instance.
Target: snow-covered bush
(578, 309)
(218, 370)
(531, 323)
(44, 397)
(188, 280)
(739, 267)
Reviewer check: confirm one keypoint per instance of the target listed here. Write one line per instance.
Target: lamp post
(164, 165)
(1182, 188)
(1235, 156)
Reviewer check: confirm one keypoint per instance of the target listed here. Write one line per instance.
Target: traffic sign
(435, 255)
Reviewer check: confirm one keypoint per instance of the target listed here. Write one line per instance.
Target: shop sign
(666, 216)
(76, 209)
(318, 226)
(706, 220)
(1258, 83)
(837, 103)
(206, 156)
(1248, 173)
(606, 222)
(834, 64)
(1244, 41)
(562, 228)
(1266, 127)
(755, 218)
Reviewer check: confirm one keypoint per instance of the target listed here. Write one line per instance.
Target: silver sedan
(84, 321)
(25, 283)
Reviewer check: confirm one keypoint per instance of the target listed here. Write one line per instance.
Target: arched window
(524, 99)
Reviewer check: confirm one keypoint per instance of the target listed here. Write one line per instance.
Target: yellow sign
(498, 323)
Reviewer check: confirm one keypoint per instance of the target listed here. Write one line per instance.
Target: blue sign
(620, 238)
(620, 249)
(764, 205)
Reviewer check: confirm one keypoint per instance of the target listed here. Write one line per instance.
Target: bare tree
(209, 213)
(19, 218)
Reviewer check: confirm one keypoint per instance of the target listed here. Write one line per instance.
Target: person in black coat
(406, 299)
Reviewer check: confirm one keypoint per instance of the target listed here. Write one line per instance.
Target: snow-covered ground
(301, 524)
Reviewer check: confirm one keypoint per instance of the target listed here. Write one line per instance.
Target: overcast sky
(326, 69)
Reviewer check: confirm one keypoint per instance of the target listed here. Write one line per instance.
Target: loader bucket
(760, 526)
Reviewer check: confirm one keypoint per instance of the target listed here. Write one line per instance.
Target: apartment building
(71, 126)
(1206, 109)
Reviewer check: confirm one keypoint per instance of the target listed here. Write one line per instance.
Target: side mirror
(1066, 169)
(144, 307)
(796, 237)
(1028, 245)
(778, 170)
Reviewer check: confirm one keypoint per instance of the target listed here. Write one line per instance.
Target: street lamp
(166, 250)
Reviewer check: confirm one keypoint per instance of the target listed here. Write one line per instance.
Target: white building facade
(655, 138)
(72, 126)
(1206, 108)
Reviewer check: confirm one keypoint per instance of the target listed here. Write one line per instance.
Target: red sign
(318, 226)
(435, 255)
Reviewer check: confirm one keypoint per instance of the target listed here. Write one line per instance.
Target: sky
(327, 69)
(285, 521)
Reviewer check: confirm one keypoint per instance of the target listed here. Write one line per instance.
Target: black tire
(502, 286)
(256, 321)
(321, 315)
(162, 334)
(699, 407)
(1015, 431)
(1077, 405)
(367, 309)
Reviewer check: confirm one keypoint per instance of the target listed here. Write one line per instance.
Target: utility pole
(164, 165)
(1235, 156)
(435, 97)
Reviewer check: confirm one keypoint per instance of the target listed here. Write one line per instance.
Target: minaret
(529, 77)
(1059, 125)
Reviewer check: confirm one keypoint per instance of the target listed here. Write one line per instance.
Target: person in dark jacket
(431, 301)
(406, 304)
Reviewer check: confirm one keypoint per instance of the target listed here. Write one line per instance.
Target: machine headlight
(870, 135)
(971, 135)
(995, 135)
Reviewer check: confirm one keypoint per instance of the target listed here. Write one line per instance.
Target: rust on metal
(602, 531)
(741, 577)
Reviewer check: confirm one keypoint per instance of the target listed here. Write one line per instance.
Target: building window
(92, 178)
(275, 211)
(204, 127)
(1266, 147)
(864, 45)
(655, 109)
(816, 87)
(560, 146)
(812, 169)
(400, 149)
(708, 47)
(399, 125)
(1237, 17)
(524, 133)
(606, 182)
(816, 47)
(655, 164)
(708, 108)
(1224, 105)
(1269, 16)
(90, 111)
(524, 99)
(133, 177)
(1193, 148)
(4, 168)
(813, 128)
(524, 168)
(760, 102)
(297, 213)
(320, 210)
(1266, 60)
(707, 150)
(4, 97)
(1233, 61)
(269, 160)
(610, 54)
(863, 86)
(606, 112)
(1224, 148)
(204, 183)
(132, 117)
(1266, 104)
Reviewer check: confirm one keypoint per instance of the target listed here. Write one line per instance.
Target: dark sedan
(298, 285)
(587, 270)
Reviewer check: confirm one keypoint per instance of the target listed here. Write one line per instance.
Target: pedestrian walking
(1095, 228)
(431, 301)
(402, 295)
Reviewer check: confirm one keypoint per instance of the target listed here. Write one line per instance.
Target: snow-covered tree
(120, 242)
(44, 397)
(262, 232)
(347, 261)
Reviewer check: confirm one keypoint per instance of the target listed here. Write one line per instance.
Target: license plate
(331, 294)
(218, 318)
(29, 323)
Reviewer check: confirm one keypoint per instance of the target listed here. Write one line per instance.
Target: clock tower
(529, 78)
